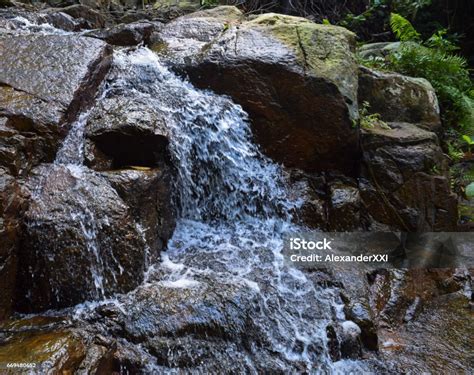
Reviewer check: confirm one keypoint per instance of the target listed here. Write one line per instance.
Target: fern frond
(403, 29)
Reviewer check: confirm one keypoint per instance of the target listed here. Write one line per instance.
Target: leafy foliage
(403, 29)
(369, 120)
(434, 60)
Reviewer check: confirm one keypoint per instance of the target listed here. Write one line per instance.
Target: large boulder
(400, 98)
(45, 81)
(404, 179)
(80, 240)
(127, 139)
(296, 79)
(202, 326)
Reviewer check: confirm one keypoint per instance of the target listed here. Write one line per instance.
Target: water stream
(234, 210)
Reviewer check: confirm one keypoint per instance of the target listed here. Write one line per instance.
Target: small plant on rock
(369, 120)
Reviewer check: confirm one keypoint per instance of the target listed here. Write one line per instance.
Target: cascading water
(233, 211)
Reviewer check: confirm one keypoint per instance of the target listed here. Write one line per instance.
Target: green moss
(318, 46)
(324, 50)
(187, 5)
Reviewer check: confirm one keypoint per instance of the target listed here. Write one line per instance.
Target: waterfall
(234, 210)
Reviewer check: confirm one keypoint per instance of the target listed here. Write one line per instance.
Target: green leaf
(468, 139)
(403, 29)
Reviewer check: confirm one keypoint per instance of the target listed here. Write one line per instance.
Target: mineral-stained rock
(296, 79)
(400, 98)
(80, 240)
(53, 346)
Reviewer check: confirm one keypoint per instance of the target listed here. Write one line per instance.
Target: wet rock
(54, 345)
(124, 132)
(333, 343)
(399, 98)
(382, 49)
(12, 204)
(125, 34)
(405, 182)
(30, 128)
(310, 190)
(414, 309)
(197, 325)
(59, 20)
(80, 240)
(361, 314)
(87, 17)
(344, 208)
(148, 193)
(43, 85)
(350, 340)
(296, 79)
(61, 68)
(61, 352)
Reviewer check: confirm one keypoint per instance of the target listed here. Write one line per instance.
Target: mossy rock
(178, 5)
(225, 12)
(296, 79)
(324, 50)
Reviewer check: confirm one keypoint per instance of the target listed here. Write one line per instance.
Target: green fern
(435, 61)
(403, 29)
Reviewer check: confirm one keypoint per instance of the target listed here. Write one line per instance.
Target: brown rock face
(296, 79)
(80, 240)
(404, 177)
(405, 183)
(64, 69)
(148, 194)
(125, 34)
(12, 204)
(44, 81)
(87, 17)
